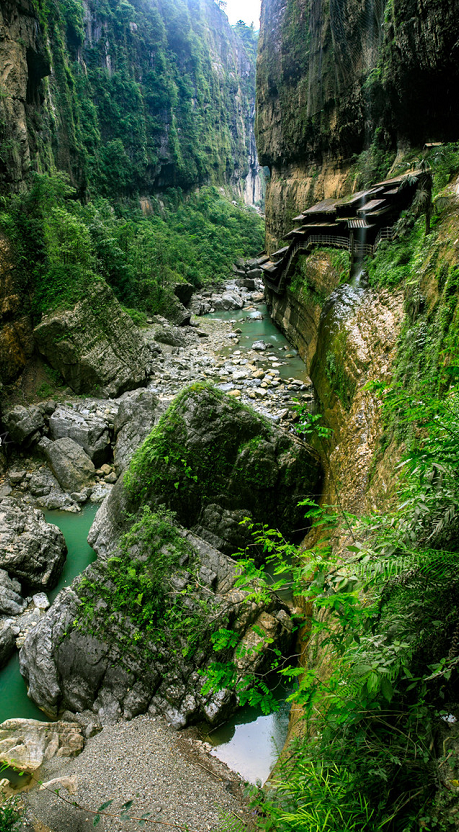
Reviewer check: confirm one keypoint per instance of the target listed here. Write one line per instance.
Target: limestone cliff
(126, 98)
(338, 78)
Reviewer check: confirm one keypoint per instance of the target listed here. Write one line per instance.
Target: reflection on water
(14, 702)
(254, 329)
(251, 742)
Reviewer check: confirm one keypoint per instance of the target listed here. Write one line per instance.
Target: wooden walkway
(356, 224)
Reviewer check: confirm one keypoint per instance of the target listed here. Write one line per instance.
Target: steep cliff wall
(125, 97)
(338, 78)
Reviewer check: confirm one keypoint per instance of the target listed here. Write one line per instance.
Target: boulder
(31, 549)
(96, 347)
(91, 432)
(24, 424)
(227, 301)
(177, 313)
(139, 411)
(69, 463)
(11, 602)
(165, 333)
(28, 743)
(258, 469)
(260, 346)
(123, 668)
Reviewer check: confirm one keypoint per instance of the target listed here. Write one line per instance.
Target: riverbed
(250, 742)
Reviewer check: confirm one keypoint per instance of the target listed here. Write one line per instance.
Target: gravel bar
(164, 772)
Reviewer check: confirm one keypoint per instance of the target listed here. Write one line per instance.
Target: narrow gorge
(228, 355)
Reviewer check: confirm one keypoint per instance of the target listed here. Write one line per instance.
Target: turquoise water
(14, 701)
(264, 330)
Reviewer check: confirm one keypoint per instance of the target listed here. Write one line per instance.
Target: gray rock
(100, 492)
(40, 600)
(260, 469)
(116, 671)
(31, 549)
(24, 424)
(260, 346)
(91, 432)
(69, 463)
(11, 602)
(173, 336)
(227, 301)
(254, 274)
(28, 743)
(139, 411)
(7, 640)
(95, 346)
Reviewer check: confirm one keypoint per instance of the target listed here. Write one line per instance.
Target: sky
(246, 10)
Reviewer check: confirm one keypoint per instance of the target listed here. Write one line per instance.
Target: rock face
(138, 412)
(69, 463)
(27, 743)
(297, 312)
(10, 595)
(363, 79)
(96, 346)
(259, 469)
(7, 640)
(78, 656)
(24, 424)
(30, 549)
(119, 668)
(213, 141)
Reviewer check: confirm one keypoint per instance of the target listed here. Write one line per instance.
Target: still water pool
(250, 742)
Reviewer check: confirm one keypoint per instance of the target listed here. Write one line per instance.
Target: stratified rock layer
(95, 346)
(27, 743)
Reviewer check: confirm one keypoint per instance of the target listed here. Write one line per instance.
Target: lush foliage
(382, 616)
(150, 581)
(60, 245)
(151, 103)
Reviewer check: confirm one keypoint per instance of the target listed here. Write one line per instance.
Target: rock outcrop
(136, 659)
(69, 463)
(89, 430)
(27, 743)
(96, 347)
(259, 470)
(337, 79)
(116, 667)
(31, 550)
(138, 412)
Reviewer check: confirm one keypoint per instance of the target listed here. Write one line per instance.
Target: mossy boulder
(213, 461)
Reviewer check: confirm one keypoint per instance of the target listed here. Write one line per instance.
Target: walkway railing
(303, 245)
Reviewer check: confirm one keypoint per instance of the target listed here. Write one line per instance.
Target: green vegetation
(60, 246)
(384, 649)
(149, 581)
(10, 816)
(139, 102)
